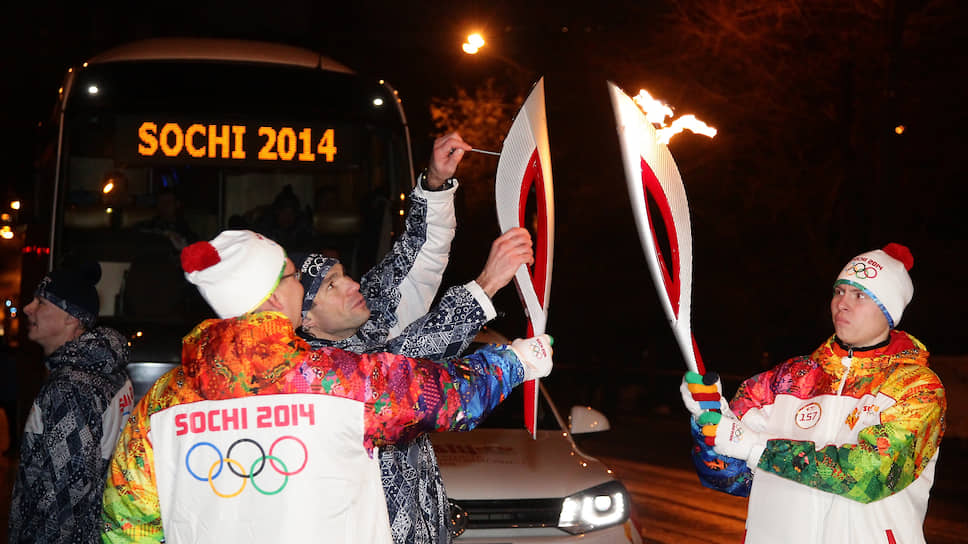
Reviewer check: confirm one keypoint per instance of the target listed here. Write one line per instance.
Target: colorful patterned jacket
(854, 438)
(397, 292)
(69, 436)
(258, 438)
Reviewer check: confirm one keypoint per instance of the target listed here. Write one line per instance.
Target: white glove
(701, 392)
(732, 437)
(535, 355)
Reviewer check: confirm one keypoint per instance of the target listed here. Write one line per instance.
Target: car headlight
(595, 508)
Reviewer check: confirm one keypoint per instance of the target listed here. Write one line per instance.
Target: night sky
(806, 172)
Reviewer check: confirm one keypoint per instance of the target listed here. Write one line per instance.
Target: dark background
(807, 169)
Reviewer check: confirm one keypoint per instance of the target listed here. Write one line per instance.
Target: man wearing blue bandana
(78, 413)
(388, 312)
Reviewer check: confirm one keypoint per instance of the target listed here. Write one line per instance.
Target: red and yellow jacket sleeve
(131, 511)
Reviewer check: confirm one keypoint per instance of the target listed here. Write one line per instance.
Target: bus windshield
(157, 154)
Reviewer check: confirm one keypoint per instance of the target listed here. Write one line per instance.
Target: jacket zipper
(846, 361)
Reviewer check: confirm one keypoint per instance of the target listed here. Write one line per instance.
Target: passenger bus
(159, 143)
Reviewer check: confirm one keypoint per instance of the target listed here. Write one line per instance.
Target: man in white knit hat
(259, 438)
(839, 445)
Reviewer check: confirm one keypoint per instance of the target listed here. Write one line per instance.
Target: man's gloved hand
(535, 354)
(701, 392)
(730, 437)
(717, 471)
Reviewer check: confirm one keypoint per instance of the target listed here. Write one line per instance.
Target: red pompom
(199, 256)
(901, 253)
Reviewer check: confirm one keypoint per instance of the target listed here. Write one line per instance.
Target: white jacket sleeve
(401, 287)
(420, 285)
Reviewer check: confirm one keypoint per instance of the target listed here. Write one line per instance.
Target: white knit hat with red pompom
(235, 272)
(883, 275)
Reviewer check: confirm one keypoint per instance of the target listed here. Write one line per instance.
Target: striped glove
(731, 437)
(701, 392)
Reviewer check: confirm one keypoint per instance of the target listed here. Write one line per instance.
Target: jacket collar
(102, 349)
(900, 348)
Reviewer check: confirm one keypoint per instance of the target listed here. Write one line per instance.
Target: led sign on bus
(168, 140)
(228, 141)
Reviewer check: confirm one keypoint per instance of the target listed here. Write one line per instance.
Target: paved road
(672, 507)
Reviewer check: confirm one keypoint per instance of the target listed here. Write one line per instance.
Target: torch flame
(686, 122)
(656, 112)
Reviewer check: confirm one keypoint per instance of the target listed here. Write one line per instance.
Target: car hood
(507, 464)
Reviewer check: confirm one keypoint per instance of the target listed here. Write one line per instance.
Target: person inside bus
(286, 222)
(257, 437)
(154, 287)
(75, 419)
(169, 220)
(388, 311)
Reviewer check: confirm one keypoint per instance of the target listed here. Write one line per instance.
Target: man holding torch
(839, 445)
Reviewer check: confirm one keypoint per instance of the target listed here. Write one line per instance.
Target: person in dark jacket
(75, 420)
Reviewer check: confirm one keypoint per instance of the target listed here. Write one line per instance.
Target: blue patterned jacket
(398, 292)
(68, 438)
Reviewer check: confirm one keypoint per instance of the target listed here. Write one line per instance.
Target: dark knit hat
(313, 269)
(72, 290)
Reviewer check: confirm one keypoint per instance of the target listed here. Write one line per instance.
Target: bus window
(167, 142)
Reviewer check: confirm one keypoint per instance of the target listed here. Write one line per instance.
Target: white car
(506, 488)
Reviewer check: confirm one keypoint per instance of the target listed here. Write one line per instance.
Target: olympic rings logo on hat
(862, 271)
(238, 469)
(318, 264)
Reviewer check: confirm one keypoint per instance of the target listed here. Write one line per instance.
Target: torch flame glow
(656, 112)
(686, 122)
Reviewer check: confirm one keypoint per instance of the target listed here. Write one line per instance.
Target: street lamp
(473, 44)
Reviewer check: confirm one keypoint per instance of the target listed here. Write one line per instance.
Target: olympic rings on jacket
(862, 271)
(258, 464)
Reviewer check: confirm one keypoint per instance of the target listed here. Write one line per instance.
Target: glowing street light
(473, 44)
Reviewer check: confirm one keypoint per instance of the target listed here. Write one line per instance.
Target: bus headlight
(595, 508)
